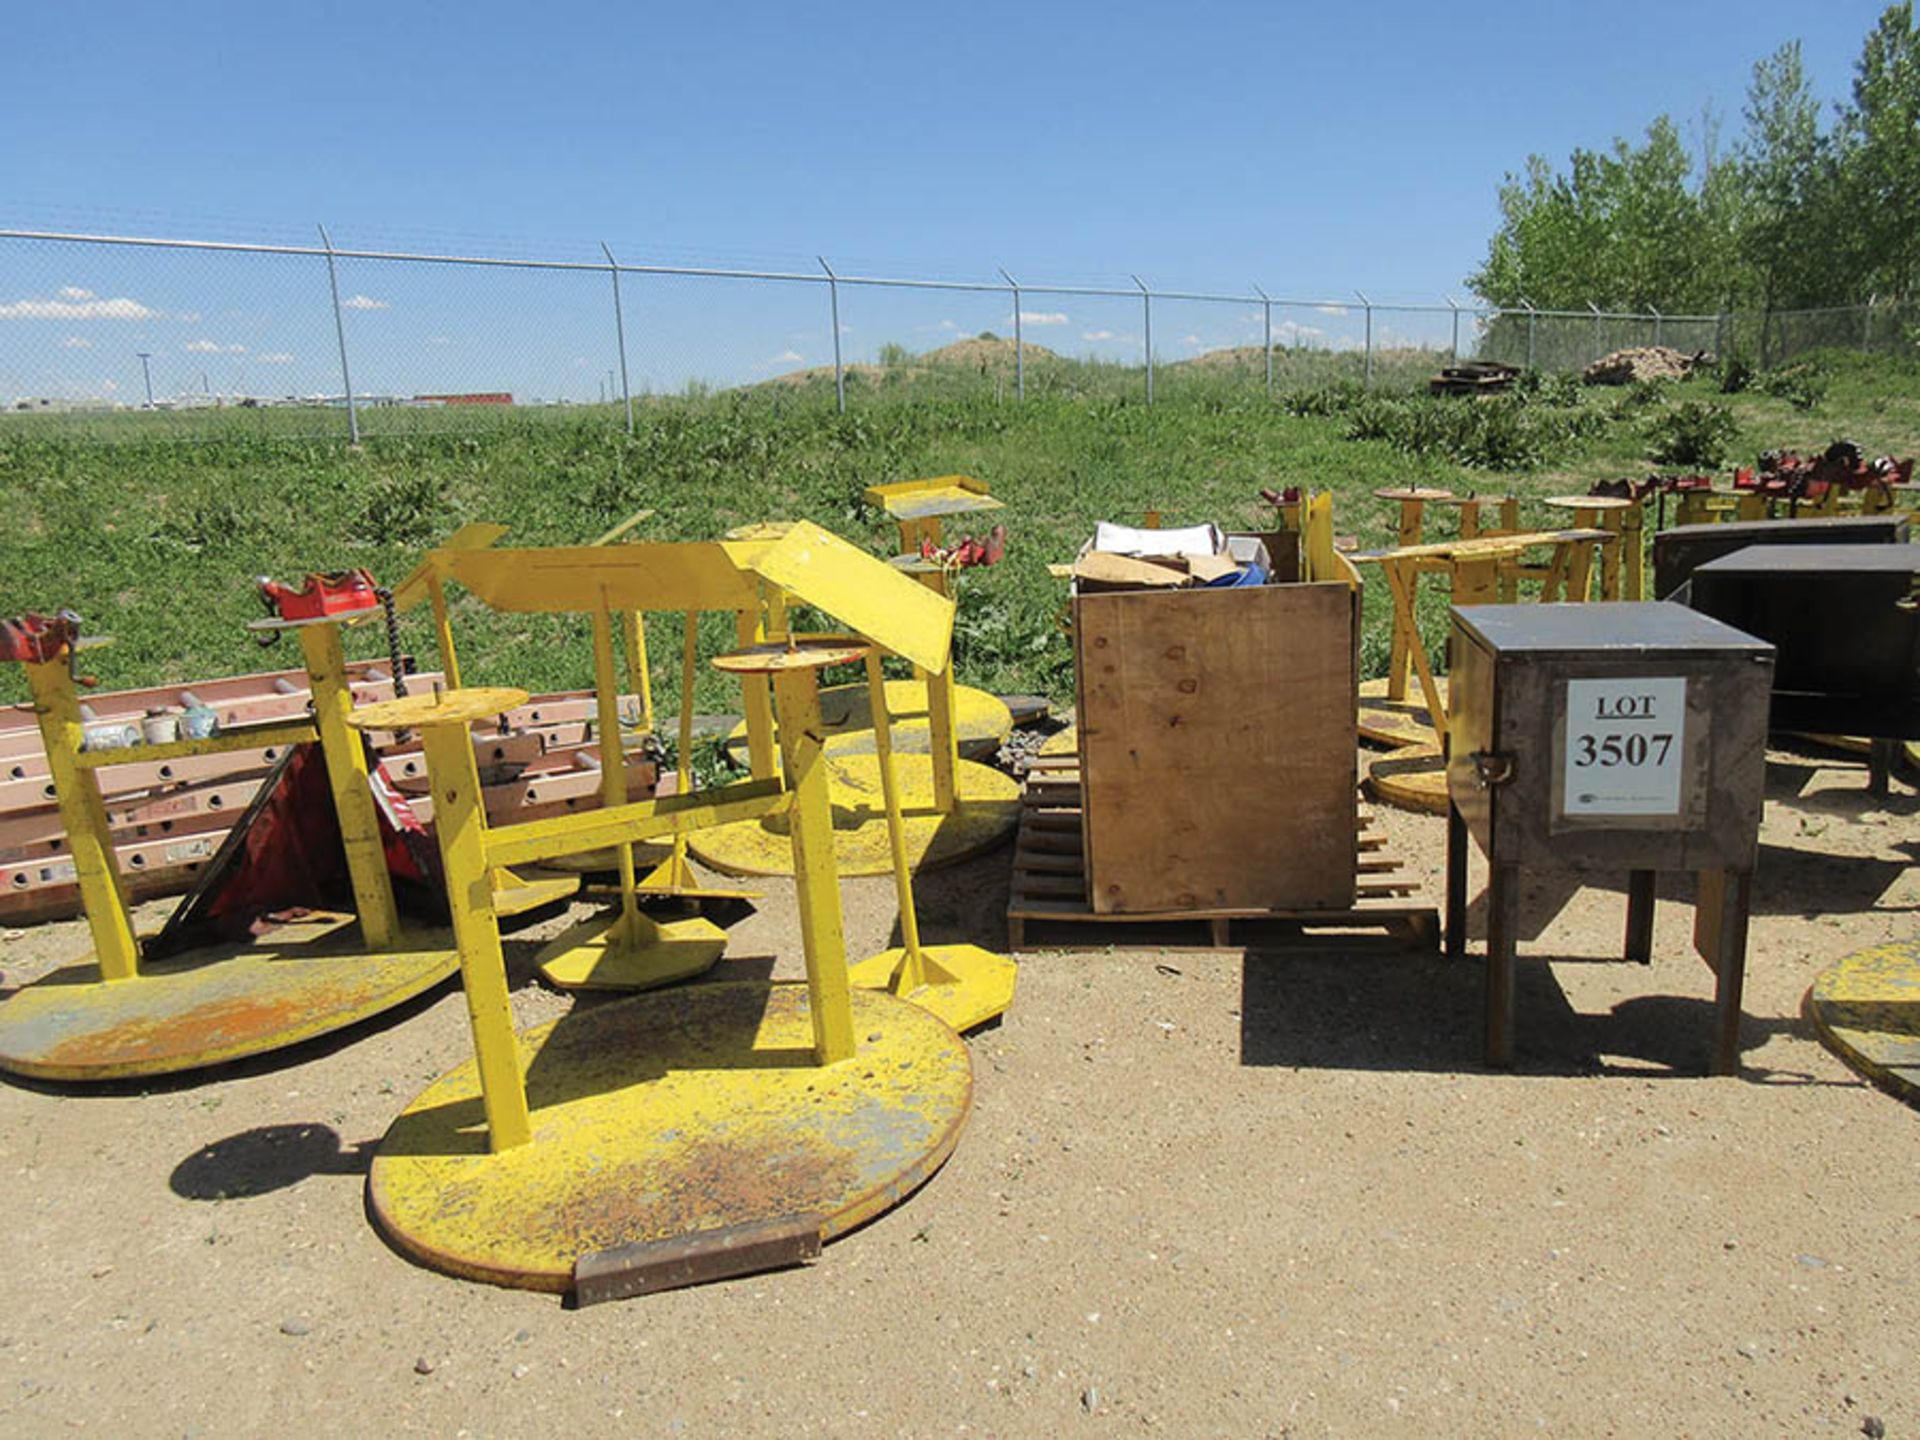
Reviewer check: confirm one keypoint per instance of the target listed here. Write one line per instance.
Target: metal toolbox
(1846, 621)
(1680, 551)
(1628, 738)
(1532, 686)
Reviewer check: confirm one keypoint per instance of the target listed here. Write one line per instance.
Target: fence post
(1866, 326)
(1532, 317)
(1369, 306)
(1597, 342)
(1720, 334)
(340, 333)
(620, 332)
(1455, 352)
(1019, 344)
(839, 373)
(1657, 318)
(1146, 301)
(1266, 330)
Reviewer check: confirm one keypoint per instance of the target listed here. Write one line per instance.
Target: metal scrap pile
(1644, 362)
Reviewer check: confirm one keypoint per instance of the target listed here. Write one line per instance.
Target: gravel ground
(1200, 1194)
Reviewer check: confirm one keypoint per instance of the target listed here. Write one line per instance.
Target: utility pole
(146, 373)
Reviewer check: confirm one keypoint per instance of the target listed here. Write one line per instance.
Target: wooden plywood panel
(1217, 735)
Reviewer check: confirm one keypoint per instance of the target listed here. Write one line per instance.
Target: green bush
(1693, 434)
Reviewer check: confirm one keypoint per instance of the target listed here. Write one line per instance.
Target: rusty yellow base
(986, 814)
(963, 984)
(663, 1115)
(981, 722)
(1413, 777)
(1397, 722)
(602, 953)
(214, 1005)
(1062, 742)
(1867, 1010)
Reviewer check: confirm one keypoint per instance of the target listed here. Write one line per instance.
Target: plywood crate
(1217, 738)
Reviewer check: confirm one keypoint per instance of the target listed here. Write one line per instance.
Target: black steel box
(1846, 622)
(1678, 552)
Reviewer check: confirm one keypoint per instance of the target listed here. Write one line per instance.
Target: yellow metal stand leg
(1400, 586)
(443, 631)
(757, 701)
(1400, 653)
(796, 699)
(347, 777)
(84, 814)
(963, 984)
(1633, 540)
(460, 819)
(639, 671)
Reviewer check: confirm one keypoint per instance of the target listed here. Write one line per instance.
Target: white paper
(1626, 739)
(1128, 540)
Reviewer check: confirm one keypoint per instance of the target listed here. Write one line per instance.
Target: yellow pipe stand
(683, 1112)
(1412, 501)
(964, 985)
(115, 1015)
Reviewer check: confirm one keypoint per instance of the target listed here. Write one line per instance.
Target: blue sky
(1309, 149)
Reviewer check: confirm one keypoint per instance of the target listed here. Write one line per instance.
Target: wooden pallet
(1048, 908)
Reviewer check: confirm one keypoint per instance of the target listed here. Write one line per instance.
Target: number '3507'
(1607, 751)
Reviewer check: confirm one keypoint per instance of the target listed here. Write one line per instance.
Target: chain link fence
(119, 336)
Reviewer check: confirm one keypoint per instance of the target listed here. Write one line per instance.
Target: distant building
(479, 397)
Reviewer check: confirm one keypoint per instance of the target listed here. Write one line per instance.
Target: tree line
(1796, 214)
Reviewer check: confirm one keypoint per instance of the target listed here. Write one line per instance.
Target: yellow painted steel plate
(663, 1115)
(440, 708)
(516, 893)
(985, 815)
(1064, 742)
(1398, 722)
(596, 955)
(965, 985)
(1412, 492)
(861, 592)
(981, 722)
(213, 1005)
(1413, 777)
(774, 656)
(1867, 1010)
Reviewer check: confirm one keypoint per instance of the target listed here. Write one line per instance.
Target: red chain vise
(339, 592)
(39, 638)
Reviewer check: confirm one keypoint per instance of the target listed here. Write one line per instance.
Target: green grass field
(155, 540)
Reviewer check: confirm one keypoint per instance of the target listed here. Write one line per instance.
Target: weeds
(1693, 434)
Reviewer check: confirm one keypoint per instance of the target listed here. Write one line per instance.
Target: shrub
(1693, 434)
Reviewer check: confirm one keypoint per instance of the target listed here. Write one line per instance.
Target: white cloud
(1192, 340)
(76, 342)
(1099, 335)
(274, 357)
(70, 308)
(188, 317)
(1043, 317)
(787, 357)
(364, 302)
(213, 347)
(1331, 309)
(74, 292)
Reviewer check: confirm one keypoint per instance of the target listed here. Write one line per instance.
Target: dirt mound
(1642, 362)
(983, 353)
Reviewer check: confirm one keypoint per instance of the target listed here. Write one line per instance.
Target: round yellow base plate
(981, 722)
(594, 955)
(985, 814)
(1867, 1010)
(663, 1115)
(1062, 742)
(1413, 777)
(213, 1005)
(965, 985)
(1397, 722)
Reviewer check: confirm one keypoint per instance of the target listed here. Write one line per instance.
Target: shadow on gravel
(265, 1159)
(1324, 1010)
